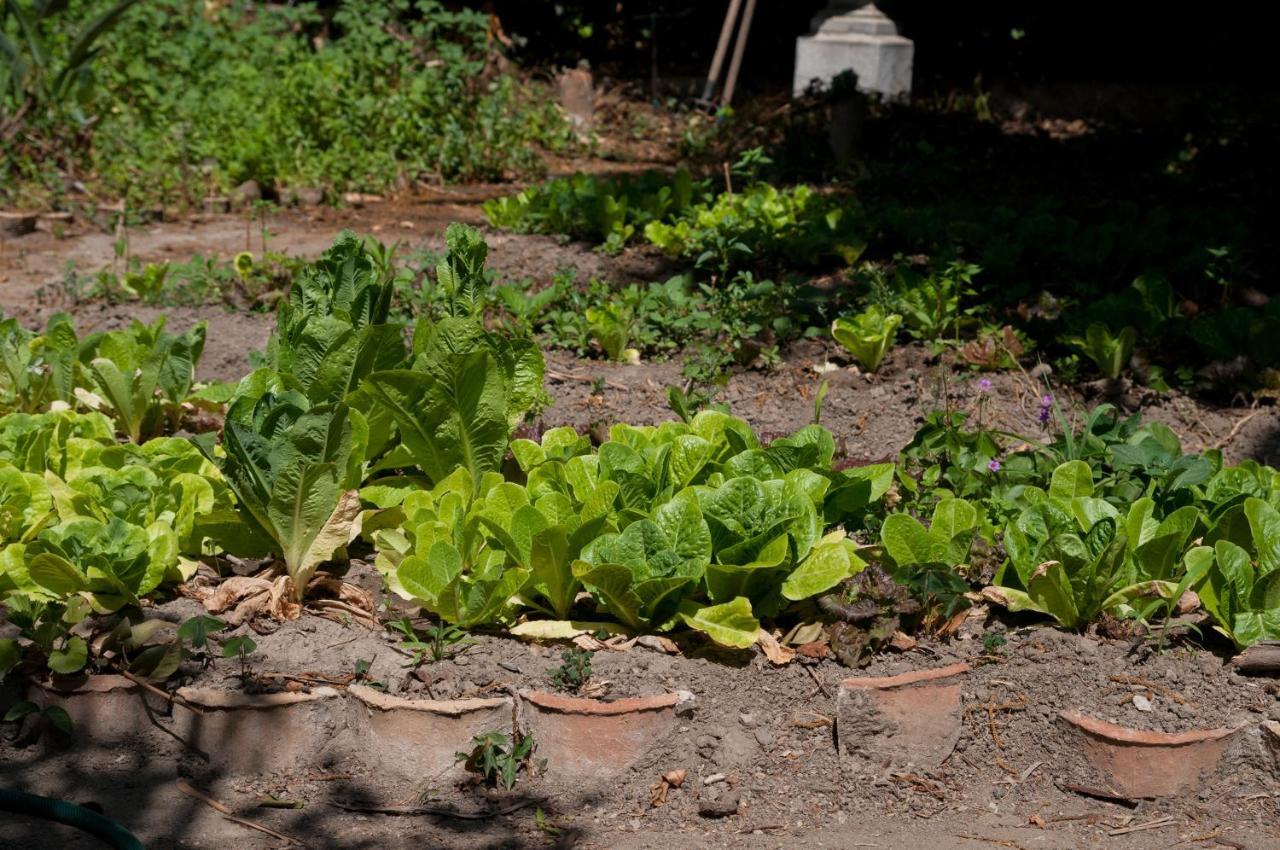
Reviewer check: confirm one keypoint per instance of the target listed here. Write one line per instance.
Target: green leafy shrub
(609, 211)
(762, 225)
(354, 99)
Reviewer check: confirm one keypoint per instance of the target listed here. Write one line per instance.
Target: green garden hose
(61, 811)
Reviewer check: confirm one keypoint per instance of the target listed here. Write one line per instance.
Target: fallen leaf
(659, 643)
(814, 649)
(675, 778)
(774, 651)
(804, 633)
(902, 642)
(1036, 820)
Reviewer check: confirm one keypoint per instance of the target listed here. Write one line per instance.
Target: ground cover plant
(408, 91)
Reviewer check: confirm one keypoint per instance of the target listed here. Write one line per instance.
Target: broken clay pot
(409, 739)
(581, 738)
(1142, 763)
(913, 718)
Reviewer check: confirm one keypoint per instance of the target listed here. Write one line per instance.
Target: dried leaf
(675, 778)
(816, 649)
(902, 642)
(774, 651)
(659, 643)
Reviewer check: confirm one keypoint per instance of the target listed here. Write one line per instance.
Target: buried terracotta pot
(105, 709)
(913, 718)
(260, 733)
(1141, 763)
(587, 738)
(413, 740)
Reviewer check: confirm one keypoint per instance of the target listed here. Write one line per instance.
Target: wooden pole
(738, 49)
(722, 47)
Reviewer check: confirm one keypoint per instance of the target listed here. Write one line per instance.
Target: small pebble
(1141, 703)
(746, 719)
(507, 665)
(764, 737)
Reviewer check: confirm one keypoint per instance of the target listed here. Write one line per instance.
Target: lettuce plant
(143, 374)
(294, 469)
(441, 557)
(1074, 557)
(333, 329)
(37, 369)
(461, 398)
(1109, 351)
(867, 336)
(1238, 576)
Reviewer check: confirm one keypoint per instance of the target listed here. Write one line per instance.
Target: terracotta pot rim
(92, 683)
(583, 705)
(914, 677)
(1117, 734)
(450, 707)
(232, 700)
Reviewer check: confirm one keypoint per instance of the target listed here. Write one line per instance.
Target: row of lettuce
(357, 434)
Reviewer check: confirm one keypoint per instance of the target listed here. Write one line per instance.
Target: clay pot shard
(913, 718)
(582, 738)
(408, 739)
(1141, 763)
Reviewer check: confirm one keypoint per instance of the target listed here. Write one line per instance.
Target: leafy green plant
(1237, 573)
(38, 76)
(497, 757)
(1072, 555)
(606, 210)
(930, 305)
(294, 470)
(335, 117)
(1110, 352)
(867, 336)
(37, 369)
(143, 374)
(437, 641)
(927, 559)
(762, 225)
(573, 672)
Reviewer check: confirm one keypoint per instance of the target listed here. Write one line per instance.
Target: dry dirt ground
(796, 794)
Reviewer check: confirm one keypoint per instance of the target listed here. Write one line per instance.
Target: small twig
(342, 642)
(1100, 794)
(165, 695)
(1143, 682)
(225, 811)
(1155, 824)
(1235, 429)
(586, 379)
(818, 682)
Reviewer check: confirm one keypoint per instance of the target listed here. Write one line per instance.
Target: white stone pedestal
(849, 36)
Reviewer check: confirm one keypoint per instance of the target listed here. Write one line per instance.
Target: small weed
(437, 642)
(497, 758)
(993, 644)
(574, 672)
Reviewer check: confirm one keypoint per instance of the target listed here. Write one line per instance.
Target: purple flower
(1046, 403)
(985, 385)
(993, 465)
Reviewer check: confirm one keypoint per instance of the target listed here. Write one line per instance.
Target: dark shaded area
(1004, 41)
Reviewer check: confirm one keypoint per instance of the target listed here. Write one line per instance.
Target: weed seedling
(437, 642)
(574, 672)
(993, 644)
(497, 758)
